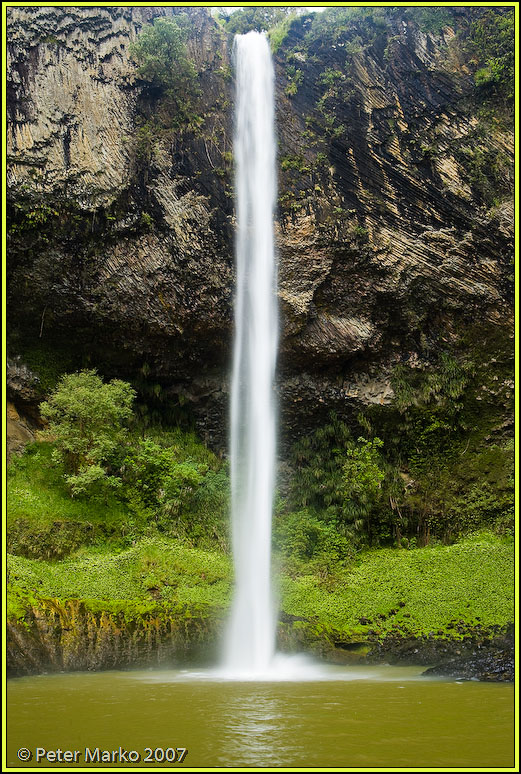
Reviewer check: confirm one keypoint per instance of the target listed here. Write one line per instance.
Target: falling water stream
(250, 640)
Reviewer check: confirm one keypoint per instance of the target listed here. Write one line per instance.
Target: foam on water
(290, 668)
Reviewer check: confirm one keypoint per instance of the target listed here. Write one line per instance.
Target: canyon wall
(394, 225)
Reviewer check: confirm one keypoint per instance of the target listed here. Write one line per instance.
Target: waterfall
(250, 642)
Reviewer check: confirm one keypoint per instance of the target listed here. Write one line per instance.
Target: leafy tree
(182, 494)
(146, 468)
(362, 471)
(492, 39)
(362, 478)
(183, 480)
(86, 421)
(260, 18)
(164, 65)
(161, 53)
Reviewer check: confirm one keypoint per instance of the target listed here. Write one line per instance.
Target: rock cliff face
(394, 226)
(57, 636)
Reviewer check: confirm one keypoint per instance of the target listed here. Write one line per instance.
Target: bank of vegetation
(370, 539)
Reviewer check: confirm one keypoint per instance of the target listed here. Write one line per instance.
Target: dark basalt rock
(387, 245)
(496, 665)
(480, 655)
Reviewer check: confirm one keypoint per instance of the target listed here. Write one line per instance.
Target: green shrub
(86, 421)
(164, 65)
(259, 18)
(278, 34)
(177, 485)
(362, 476)
(305, 540)
(491, 39)
(317, 461)
(432, 19)
(344, 24)
(330, 77)
(161, 53)
(43, 521)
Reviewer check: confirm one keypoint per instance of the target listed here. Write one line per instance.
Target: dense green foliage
(154, 567)
(86, 420)
(43, 520)
(161, 53)
(274, 20)
(183, 495)
(259, 18)
(169, 74)
(437, 591)
(306, 542)
(169, 483)
(331, 25)
(431, 19)
(158, 541)
(434, 466)
(492, 42)
(105, 477)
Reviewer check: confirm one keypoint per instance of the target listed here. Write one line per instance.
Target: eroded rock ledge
(73, 635)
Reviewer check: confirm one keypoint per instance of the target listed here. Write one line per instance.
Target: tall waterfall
(250, 643)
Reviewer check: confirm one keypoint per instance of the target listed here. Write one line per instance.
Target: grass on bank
(438, 590)
(132, 550)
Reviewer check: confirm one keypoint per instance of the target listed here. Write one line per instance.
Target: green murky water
(358, 717)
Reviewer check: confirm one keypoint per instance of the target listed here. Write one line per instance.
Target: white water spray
(250, 643)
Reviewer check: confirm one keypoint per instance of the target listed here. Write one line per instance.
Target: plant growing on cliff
(257, 18)
(317, 462)
(164, 65)
(161, 53)
(431, 19)
(492, 41)
(275, 20)
(86, 421)
(362, 476)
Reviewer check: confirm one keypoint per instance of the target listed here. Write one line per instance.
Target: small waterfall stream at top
(250, 643)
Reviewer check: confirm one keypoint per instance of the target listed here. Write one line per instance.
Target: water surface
(357, 717)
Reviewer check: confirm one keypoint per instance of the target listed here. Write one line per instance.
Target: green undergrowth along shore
(44, 521)
(154, 574)
(147, 540)
(440, 591)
